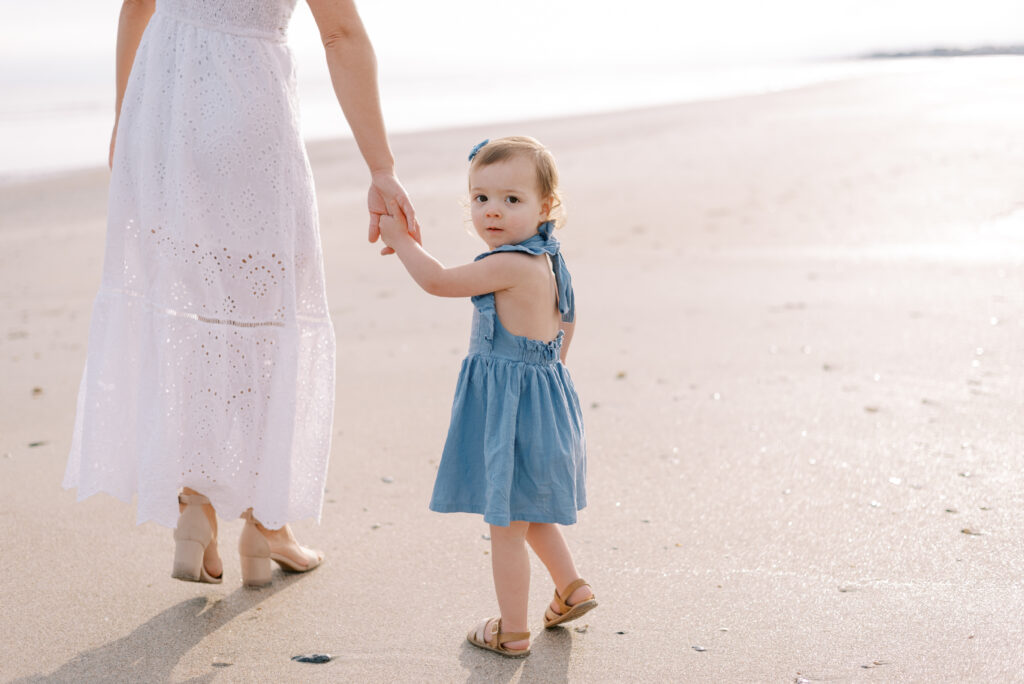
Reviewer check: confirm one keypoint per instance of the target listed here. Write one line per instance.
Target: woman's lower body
(210, 368)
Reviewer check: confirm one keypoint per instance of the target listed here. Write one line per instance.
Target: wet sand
(799, 348)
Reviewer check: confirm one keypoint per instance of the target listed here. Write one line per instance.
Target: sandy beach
(799, 354)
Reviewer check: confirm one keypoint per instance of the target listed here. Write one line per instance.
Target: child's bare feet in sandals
(573, 602)
(488, 636)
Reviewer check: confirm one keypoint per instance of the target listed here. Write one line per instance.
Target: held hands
(393, 226)
(385, 189)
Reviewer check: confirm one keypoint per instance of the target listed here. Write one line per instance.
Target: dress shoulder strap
(546, 243)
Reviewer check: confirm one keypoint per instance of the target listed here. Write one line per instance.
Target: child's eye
(480, 198)
(512, 199)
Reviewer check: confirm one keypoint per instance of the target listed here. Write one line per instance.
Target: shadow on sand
(152, 650)
(548, 661)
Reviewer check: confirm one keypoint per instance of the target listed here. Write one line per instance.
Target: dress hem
(504, 521)
(139, 519)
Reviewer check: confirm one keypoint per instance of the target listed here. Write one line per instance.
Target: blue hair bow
(476, 148)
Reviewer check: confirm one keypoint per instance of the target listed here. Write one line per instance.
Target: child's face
(505, 203)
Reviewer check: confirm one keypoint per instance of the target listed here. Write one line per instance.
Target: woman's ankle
(208, 509)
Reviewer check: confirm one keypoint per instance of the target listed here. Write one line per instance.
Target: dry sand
(799, 353)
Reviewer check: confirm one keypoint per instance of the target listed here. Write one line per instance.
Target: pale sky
(530, 31)
(448, 63)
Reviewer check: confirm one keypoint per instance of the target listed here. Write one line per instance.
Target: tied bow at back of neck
(566, 299)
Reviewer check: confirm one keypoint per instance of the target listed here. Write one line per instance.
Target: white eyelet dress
(211, 351)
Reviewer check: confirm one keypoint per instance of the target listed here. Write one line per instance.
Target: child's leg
(547, 542)
(510, 564)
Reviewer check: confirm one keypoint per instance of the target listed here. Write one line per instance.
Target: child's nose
(492, 210)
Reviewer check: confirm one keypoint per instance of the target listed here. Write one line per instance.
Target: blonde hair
(500, 149)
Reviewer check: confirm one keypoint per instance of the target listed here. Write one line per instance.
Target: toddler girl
(515, 450)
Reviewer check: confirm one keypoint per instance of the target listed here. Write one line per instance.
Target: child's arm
(499, 272)
(568, 328)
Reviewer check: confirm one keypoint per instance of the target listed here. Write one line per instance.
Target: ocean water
(61, 121)
(467, 62)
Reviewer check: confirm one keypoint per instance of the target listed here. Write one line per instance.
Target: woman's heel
(254, 552)
(188, 560)
(191, 537)
(255, 571)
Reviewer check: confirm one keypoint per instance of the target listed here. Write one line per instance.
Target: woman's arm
(353, 68)
(135, 16)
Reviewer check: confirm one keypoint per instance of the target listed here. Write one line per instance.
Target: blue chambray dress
(515, 447)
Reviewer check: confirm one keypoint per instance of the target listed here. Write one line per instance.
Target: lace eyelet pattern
(211, 351)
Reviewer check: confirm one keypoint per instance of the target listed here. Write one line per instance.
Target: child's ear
(546, 206)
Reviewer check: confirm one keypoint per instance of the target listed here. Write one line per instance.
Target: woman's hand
(393, 225)
(384, 188)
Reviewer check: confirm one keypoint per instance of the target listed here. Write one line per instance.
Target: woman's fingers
(387, 196)
(413, 224)
(376, 207)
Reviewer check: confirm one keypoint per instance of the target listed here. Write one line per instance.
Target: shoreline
(692, 85)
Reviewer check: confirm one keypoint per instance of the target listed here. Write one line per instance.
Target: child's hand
(393, 225)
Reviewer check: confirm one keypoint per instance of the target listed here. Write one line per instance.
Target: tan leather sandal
(488, 636)
(568, 612)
